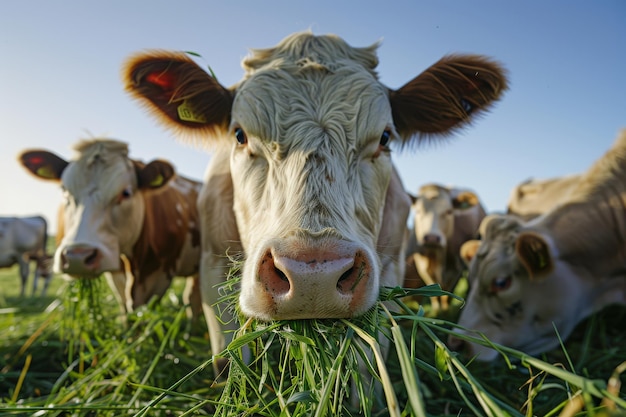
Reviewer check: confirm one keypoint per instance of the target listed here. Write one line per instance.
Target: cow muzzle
(80, 260)
(335, 280)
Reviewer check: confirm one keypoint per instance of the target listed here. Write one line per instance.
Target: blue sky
(60, 79)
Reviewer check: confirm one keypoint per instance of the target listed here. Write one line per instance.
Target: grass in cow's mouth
(157, 365)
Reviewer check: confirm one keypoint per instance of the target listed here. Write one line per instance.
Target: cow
(299, 179)
(135, 223)
(444, 218)
(22, 240)
(530, 280)
(534, 197)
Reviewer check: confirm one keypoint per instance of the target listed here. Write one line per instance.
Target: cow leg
(222, 324)
(421, 264)
(47, 277)
(140, 290)
(36, 276)
(192, 297)
(117, 283)
(24, 271)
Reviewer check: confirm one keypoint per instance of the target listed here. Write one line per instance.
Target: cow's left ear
(43, 164)
(447, 95)
(534, 253)
(154, 175)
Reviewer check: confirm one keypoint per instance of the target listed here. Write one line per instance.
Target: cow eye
(385, 138)
(241, 137)
(124, 195)
(500, 284)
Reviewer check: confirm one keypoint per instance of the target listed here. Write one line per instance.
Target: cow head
(103, 209)
(519, 289)
(309, 130)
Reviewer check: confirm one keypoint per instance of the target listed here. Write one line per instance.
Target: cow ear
(468, 250)
(413, 198)
(464, 200)
(178, 92)
(154, 175)
(534, 253)
(447, 95)
(43, 164)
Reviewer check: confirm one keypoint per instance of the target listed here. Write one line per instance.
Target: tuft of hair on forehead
(327, 51)
(92, 149)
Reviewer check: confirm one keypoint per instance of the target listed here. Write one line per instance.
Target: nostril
(346, 283)
(64, 263)
(274, 279)
(92, 257)
(281, 274)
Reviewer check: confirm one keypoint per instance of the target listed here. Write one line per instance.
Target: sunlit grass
(79, 357)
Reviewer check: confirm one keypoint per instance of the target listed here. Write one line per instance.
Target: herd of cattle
(301, 188)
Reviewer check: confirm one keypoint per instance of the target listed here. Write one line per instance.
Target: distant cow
(300, 178)
(444, 219)
(534, 197)
(136, 222)
(22, 240)
(529, 278)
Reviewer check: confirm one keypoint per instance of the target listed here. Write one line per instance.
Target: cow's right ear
(178, 92)
(43, 164)
(464, 200)
(154, 175)
(469, 250)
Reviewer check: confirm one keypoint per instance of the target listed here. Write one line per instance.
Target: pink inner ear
(165, 80)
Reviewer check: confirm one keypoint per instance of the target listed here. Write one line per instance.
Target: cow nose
(80, 259)
(315, 284)
(432, 239)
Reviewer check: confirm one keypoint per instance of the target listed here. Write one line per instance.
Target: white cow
(534, 197)
(299, 181)
(22, 240)
(444, 219)
(529, 278)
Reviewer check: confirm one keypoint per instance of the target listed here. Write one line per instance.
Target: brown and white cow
(534, 197)
(444, 219)
(528, 279)
(22, 240)
(136, 223)
(299, 181)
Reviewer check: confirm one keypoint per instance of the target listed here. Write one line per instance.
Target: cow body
(534, 197)
(444, 219)
(528, 278)
(22, 240)
(136, 223)
(301, 183)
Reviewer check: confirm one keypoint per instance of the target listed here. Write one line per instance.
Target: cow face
(309, 130)
(519, 290)
(434, 217)
(103, 210)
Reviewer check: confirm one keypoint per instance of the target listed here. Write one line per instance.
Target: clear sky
(60, 79)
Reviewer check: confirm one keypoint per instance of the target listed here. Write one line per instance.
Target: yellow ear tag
(157, 182)
(185, 113)
(46, 172)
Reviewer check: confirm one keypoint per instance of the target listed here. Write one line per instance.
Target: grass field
(70, 354)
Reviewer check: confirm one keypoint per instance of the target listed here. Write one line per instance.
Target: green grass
(73, 354)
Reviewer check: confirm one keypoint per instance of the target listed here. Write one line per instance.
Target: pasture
(69, 354)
